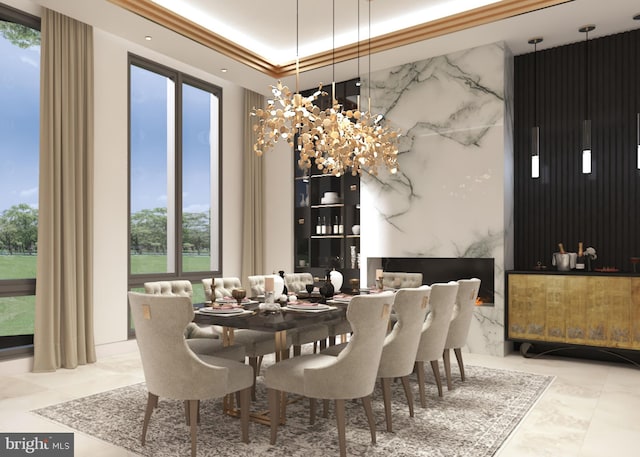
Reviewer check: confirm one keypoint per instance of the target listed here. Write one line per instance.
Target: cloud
(196, 208)
(29, 192)
(33, 62)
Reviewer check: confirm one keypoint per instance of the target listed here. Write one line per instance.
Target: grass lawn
(17, 314)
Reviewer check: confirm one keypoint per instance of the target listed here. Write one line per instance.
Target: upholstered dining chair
(224, 287)
(172, 370)
(350, 375)
(200, 340)
(459, 326)
(316, 334)
(401, 280)
(256, 344)
(400, 345)
(434, 333)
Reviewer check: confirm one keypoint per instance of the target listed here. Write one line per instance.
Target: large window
(174, 186)
(19, 157)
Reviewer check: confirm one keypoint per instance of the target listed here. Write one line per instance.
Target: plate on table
(308, 306)
(230, 300)
(210, 310)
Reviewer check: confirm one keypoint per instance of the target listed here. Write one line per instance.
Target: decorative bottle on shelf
(580, 259)
(319, 227)
(336, 229)
(340, 227)
(323, 227)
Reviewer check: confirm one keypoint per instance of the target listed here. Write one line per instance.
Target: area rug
(472, 420)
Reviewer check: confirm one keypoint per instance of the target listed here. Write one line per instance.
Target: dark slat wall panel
(563, 205)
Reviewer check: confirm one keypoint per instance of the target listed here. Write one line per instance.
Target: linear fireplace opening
(440, 269)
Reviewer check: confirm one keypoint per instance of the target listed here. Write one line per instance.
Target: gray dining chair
(400, 345)
(434, 333)
(172, 370)
(200, 340)
(256, 344)
(459, 326)
(350, 375)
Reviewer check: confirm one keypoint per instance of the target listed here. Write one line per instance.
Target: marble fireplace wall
(452, 195)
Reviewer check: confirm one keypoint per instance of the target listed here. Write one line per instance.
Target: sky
(19, 124)
(19, 136)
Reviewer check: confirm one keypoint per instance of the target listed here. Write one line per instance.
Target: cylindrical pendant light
(586, 124)
(535, 130)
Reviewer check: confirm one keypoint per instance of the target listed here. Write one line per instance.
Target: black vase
(327, 290)
(285, 291)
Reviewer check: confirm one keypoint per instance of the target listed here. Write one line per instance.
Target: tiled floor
(592, 409)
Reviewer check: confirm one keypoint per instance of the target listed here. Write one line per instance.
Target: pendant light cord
(586, 84)
(535, 83)
(297, 48)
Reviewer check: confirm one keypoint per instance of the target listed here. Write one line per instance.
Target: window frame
(17, 344)
(179, 78)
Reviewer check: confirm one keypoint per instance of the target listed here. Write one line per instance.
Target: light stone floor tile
(592, 409)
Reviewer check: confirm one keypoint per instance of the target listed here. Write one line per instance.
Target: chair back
(256, 285)
(436, 325)
(224, 287)
(462, 313)
(170, 368)
(297, 282)
(401, 280)
(401, 345)
(352, 374)
(179, 287)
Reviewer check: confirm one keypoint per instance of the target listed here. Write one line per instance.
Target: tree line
(19, 231)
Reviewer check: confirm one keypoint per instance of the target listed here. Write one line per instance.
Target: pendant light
(586, 123)
(535, 130)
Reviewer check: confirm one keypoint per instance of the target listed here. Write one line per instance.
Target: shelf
(329, 205)
(325, 176)
(327, 236)
(353, 236)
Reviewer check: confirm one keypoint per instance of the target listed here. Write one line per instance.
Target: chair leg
(325, 408)
(274, 412)
(245, 399)
(187, 409)
(297, 350)
(366, 402)
(312, 411)
(436, 374)
(323, 344)
(420, 370)
(408, 393)
(446, 357)
(193, 420)
(458, 353)
(152, 402)
(341, 427)
(386, 397)
(253, 361)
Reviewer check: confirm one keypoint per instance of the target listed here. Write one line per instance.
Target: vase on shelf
(353, 256)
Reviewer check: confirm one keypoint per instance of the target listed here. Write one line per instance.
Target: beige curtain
(253, 199)
(63, 335)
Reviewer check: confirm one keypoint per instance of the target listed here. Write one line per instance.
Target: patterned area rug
(472, 420)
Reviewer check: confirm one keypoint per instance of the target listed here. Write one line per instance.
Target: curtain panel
(253, 198)
(63, 336)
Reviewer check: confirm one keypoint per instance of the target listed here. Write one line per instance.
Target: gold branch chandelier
(335, 141)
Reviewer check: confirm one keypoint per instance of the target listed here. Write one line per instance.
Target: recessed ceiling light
(148, 38)
(224, 70)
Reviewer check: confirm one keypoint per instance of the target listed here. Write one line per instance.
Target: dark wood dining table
(276, 322)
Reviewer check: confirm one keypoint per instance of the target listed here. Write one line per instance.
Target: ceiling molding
(472, 18)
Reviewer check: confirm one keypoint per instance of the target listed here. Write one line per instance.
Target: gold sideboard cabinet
(589, 309)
